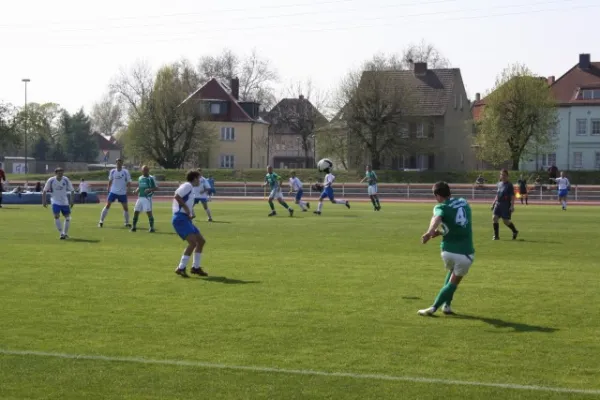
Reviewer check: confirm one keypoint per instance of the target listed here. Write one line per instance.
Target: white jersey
(186, 192)
(295, 184)
(83, 187)
(563, 183)
(328, 181)
(60, 190)
(119, 179)
(201, 191)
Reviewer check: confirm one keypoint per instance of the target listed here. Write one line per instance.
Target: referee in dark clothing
(504, 205)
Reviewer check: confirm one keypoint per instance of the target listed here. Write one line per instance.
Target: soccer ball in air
(324, 164)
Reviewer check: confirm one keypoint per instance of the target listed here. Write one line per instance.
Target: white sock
(564, 203)
(197, 258)
(67, 225)
(103, 214)
(126, 216)
(58, 224)
(208, 213)
(340, 202)
(184, 261)
(320, 206)
(302, 205)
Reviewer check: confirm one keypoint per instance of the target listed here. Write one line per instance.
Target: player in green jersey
(452, 220)
(274, 182)
(371, 178)
(145, 190)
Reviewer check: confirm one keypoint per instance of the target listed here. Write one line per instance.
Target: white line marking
(379, 377)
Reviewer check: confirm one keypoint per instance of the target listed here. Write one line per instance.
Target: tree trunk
(375, 163)
(515, 163)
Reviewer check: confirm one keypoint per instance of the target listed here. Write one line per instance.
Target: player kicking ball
(453, 217)
(326, 190)
(61, 187)
(274, 182)
(145, 190)
(183, 204)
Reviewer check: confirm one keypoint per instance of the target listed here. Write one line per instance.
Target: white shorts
(372, 190)
(143, 204)
(276, 194)
(457, 263)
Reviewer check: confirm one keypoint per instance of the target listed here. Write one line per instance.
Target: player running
(201, 193)
(183, 203)
(522, 182)
(274, 182)
(504, 206)
(327, 191)
(563, 185)
(371, 178)
(453, 216)
(61, 187)
(119, 181)
(296, 186)
(145, 190)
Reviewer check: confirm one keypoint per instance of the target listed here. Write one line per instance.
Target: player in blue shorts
(504, 206)
(119, 182)
(183, 204)
(327, 192)
(296, 186)
(563, 185)
(211, 182)
(63, 195)
(201, 195)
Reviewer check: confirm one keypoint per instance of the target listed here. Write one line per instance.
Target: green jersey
(145, 183)
(456, 226)
(273, 180)
(371, 178)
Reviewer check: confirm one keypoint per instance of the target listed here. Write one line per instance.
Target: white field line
(375, 377)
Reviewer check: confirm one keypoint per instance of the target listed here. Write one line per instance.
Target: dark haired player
(453, 217)
(183, 204)
(504, 206)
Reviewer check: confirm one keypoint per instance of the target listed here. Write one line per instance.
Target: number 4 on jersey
(461, 217)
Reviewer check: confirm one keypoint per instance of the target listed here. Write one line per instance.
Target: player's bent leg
(511, 226)
(196, 266)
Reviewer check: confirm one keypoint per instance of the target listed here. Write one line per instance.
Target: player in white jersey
(327, 188)
(62, 197)
(201, 195)
(563, 185)
(183, 204)
(296, 186)
(119, 181)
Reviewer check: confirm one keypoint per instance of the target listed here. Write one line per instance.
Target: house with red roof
(241, 134)
(108, 149)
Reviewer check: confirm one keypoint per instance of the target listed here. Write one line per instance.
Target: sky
(71, 50)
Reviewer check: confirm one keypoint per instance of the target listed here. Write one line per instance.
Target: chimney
(551, 80)
(420, 68)
(235, 88)
(477, 96)
(584, 61)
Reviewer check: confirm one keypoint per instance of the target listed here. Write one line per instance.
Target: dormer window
(215, 108)
(589, 94)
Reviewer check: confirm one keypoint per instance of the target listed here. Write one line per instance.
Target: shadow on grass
(219, 222)
(228, 281)
(498, 323)
(9, 208)
(411, 298)
(537, 241)
(79, 240)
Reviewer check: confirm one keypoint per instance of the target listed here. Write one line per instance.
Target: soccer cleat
(100, 224)
(347, 204)
(317, 212)
(62, 237)
(127, 225)
(447, 310)
(210, 220)
(133, 229)
(199, 271)
(291, 212)
(151, 230)
(427, 311)
(304, 210)
(272, 214)
(308, 206)
(378, 208)
(496, 238)
(182, 273)
(515, 234)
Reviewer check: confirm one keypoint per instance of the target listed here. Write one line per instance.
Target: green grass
(335, 293)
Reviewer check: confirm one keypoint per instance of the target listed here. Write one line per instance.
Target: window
(548, 160)
(597, 163)
(461, 101)
(227, 161)
(215, 108)
(581, 127)
(421, 130)
(404, 130)
(422, 161)
(227, 133)
(596, 127)
(577, 159)
(590, 94)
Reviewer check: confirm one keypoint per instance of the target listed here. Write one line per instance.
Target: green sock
(448, 276)
(377, 200)
(271, 205)
(135, 220)
(445, 295)
(373, 201)
(284, 204)
(151, 220)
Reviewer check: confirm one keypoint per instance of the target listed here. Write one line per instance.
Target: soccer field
(297, 308)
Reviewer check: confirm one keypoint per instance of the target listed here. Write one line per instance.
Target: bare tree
(107, 115)
(423, 52)
(256, 75)
(164, 124)
(8, 131)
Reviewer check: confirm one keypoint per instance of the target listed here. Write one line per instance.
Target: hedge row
(311, 175)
